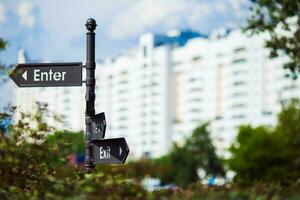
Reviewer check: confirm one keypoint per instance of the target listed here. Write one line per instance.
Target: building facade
(158, 93)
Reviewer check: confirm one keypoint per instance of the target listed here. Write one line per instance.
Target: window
(122, 118)
(220, 55)
(195, 99)
(177, 63)
(240, 105)
(238, 116)
(192, 80)
(239, 94)
(238, 72)
(122, 109)
(67, 108)
(266, 112)
(154, 83)
(195, 120)
(239, 83)
(122, 91)
(155, 74)
(195, 110)
(219, 117)
(196, 58)
(154, 112)
(123, 73)
(121, 82)
(238, 61)
(155, 94)
(66, 100)
(144, 51)
(195, 90)
(154, 122)
(239, 49)
(122, 127)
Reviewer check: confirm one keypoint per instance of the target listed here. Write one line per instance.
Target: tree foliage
(281, 20)
(2, 44)
(4, 69)
(33, 165)
(184, 162)
(269, 154)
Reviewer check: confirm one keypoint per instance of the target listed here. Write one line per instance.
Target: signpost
(47, 74)
(97, 149)
(110, 151)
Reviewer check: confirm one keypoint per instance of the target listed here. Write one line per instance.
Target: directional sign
(47, 74)
(110, 151)
(98, 126)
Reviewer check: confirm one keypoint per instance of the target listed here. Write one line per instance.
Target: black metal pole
(90, 91)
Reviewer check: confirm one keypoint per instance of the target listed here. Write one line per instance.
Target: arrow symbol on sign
(24, 75)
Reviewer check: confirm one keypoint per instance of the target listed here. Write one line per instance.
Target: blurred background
(203, 91)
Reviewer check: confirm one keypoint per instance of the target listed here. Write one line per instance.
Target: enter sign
(47, 74)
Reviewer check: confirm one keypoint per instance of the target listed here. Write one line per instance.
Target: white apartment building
(158, 93)
(228, 80)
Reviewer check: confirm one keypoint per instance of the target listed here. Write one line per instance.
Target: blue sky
(53, 30)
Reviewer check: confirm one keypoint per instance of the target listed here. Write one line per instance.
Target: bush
(269, 154)
(33, 165)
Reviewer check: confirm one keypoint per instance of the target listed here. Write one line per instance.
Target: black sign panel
(110, 151)
(47, 74)
(98, 126)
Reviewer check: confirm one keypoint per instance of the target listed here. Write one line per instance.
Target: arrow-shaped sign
(98, 126)
(110, 151)
(47, 74)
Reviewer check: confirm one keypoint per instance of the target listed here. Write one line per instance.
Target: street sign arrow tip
(14, 73)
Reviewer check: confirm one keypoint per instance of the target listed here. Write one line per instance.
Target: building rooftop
(176, 37)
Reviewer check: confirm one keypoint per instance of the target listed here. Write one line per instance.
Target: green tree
(255, 155)
(2, 44)
(2, 47)
(4, 69)
(269, 16)
(184, 166)
(269, 154)
(198, 152)
(23, 158)
(65, 143)
(201, 147)
(287, 131)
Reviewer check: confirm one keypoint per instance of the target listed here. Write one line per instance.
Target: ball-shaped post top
(91, 24)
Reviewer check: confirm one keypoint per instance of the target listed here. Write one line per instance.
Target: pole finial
(91, 24)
